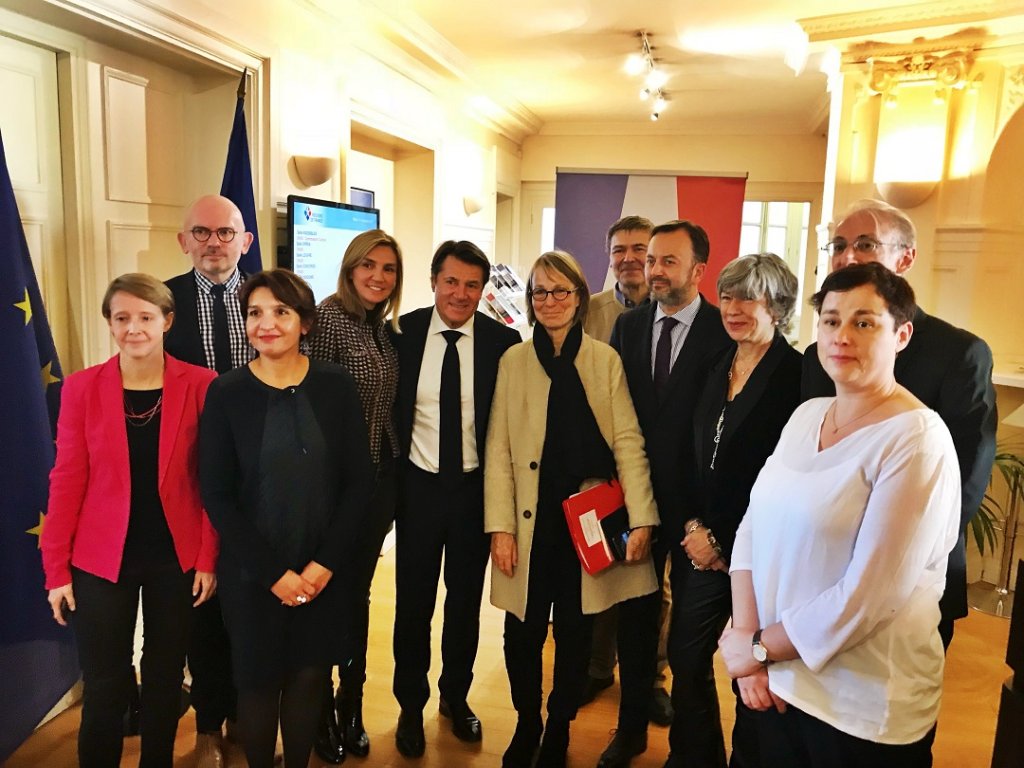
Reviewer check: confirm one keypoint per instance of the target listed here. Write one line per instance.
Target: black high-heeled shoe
(329, 745)
(350, 722)
(554, 745)
(525, 741)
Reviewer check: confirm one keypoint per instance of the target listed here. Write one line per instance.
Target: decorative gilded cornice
(906, 17)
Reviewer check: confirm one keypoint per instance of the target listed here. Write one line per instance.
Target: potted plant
(992, 515)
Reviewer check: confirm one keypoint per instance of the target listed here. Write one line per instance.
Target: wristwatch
(758, 650)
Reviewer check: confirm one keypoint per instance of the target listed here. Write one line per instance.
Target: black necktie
(663, 356)
(450, 448)
(221, 340)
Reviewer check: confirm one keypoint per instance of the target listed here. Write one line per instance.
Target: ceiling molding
(427, 58)
(970, 39)
(900, 18)
(149, 21)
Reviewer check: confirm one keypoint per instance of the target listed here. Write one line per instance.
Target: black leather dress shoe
(621, 750)
(661, 712)
(409, 734)
(594, 686)
(465, 725)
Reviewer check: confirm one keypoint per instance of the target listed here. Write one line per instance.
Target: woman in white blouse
(840, 561)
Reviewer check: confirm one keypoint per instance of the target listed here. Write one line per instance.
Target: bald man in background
(209, 330)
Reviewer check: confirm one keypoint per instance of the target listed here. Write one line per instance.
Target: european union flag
(38, 662)
(237, 184)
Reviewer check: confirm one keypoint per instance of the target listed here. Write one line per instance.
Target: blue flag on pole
(38, 662)
(237, 184)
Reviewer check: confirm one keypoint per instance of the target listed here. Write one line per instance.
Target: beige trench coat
(515, 439)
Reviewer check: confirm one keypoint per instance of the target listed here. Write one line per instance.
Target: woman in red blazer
(125, 515)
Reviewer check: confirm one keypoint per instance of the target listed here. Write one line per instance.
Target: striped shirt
(241, 351)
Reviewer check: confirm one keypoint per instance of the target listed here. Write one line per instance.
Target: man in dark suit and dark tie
(448, 363)
(209, 330)
(945, 367)
(667, 347)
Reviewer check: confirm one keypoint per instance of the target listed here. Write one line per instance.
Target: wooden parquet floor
(974, 673)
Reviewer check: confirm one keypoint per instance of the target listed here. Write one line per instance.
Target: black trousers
(555, 582)
(795, 739)
(638, 652)
(432, 521)
(701, 605)
(104, 624)
(213, 693)
(379, 516)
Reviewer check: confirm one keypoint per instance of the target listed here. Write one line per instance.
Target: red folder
(584, 512)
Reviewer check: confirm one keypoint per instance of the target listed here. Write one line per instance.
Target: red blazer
(90, 487)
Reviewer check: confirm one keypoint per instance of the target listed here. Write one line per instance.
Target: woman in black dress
(285, 471)
(352, 331)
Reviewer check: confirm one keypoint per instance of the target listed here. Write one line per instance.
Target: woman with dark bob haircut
(285, 470)
(840, 560)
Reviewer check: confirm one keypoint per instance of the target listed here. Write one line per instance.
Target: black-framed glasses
(540, 295)
(863, 245)
(224, 234)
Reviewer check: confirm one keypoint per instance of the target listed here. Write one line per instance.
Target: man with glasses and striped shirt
(209, 330)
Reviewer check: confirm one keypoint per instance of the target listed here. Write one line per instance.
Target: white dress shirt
(425, 451)
(847, 547)
(685, 316)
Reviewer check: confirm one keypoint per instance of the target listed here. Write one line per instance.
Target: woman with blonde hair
(561, 418)
(125, 517)
(353, 332)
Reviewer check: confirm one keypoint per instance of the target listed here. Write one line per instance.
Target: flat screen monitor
(319, 231)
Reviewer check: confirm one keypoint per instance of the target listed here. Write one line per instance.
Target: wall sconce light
(911, 146)
(314, 171)
(472, 204)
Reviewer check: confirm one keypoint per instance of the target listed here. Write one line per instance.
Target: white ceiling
(562, 61)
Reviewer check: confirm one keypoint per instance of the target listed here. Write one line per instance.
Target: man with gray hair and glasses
(947, 368)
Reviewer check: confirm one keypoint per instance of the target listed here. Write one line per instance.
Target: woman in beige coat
(561, 417)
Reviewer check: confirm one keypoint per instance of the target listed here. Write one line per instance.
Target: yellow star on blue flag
(25, 306)
(37, 530)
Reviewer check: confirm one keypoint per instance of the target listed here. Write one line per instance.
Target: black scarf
(574, 449)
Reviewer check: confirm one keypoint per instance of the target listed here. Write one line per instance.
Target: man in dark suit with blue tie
(667, 347)
(945, 367)
(448, 363)
(209, 330)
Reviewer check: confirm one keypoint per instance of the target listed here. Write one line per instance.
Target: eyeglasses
(224, 234)
(863, 245)
(539, 295)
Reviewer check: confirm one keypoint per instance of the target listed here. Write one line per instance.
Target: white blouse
(847, 548)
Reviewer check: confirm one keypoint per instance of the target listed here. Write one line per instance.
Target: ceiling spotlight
(890, 100)
(656, 78)
(659, 103)
(635, 64)
(654, 117)
(645, 94)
